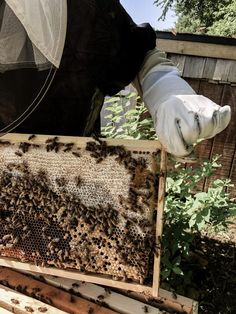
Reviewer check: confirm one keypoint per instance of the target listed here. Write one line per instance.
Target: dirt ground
(216, 280)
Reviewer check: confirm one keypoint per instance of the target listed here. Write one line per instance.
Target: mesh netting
(87, 208)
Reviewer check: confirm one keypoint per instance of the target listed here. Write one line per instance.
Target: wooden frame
(128, 302)
(14, 302)
(151, 146)
(197, 49)
(36, 294)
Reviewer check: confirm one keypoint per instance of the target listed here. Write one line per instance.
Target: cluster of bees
(40, 226)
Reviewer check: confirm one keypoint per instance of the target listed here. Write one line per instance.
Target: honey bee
(31, 137)
(145, 309)
(2, 142)
(24, 146)
(68, 147)
(174, 295)
(101, 297)
(53, 139)
(76, 154)
(19, 154)
(78, 181)
(61, 181)
(42, 309)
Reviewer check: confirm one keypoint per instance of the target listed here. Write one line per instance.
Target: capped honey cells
(89, 208)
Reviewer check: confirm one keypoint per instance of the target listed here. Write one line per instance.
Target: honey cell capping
(135, 160)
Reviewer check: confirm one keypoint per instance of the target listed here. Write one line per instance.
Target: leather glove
(181, 118)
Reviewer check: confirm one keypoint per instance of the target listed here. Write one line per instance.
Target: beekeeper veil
(32, 37)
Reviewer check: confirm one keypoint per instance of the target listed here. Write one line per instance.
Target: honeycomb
(90, 209)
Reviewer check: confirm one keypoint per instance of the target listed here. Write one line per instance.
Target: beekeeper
(59, 59)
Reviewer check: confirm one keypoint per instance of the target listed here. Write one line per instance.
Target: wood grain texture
(152, 146)
(209, 68)
(56, 297)
(159, 223)
(121, 302)
(224, 143)
(4, 311)
(194, 67)
(19, 303)
(178, 60)
(197, 49)
(222, 70)
(194, 83)
(117, 302)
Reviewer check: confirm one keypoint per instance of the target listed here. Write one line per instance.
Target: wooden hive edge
(39, 294)
(125, 302)
(152, 146)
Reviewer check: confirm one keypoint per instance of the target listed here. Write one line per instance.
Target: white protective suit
(181, 118)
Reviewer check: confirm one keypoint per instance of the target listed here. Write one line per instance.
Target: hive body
(86, 205)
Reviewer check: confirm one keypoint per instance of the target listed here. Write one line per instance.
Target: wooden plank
(209, 68)
(194, 83)
(58, 298)
(166, 299)
(18, 303)
(114, 300)
(224, 143)
(204, 149)
(222, 70)
(178, 60)
(159, 223)
(152, 146)
(4, 311)
(197, 49)
(212, 91)
(73, 274)
(180, 304)
(194, 67)
(232, 73)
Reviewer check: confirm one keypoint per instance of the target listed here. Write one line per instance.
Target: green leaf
(202, 196)
(206, 213)
(165, 273)
(177, 270)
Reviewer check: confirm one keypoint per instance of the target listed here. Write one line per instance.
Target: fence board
(194, 67)
(178, 60)
(222, 70)
(204, 150)
(224, 143)
(194, 83)
(209, 68)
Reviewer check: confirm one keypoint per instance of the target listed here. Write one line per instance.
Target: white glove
(181, 117)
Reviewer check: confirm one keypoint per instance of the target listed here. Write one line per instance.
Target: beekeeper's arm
(181, 117)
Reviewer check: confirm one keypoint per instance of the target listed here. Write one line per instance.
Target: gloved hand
(181, 118)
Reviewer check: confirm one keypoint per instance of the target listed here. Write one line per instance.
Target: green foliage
(135, 125)
(187, 212)
(224, 20)
(213, 17)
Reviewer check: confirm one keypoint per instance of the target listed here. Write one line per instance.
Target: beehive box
(82, 208)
